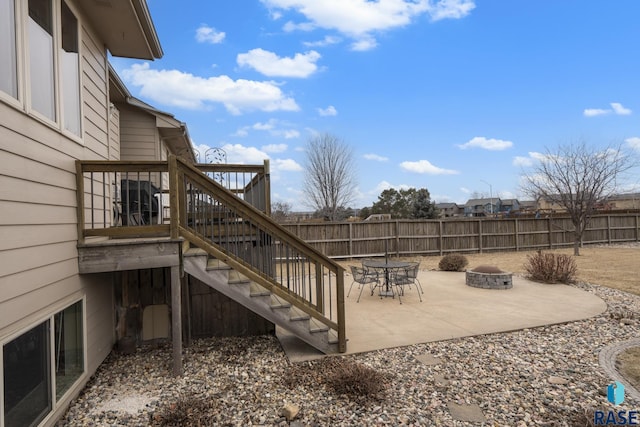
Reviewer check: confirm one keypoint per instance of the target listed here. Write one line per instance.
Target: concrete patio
(450, 309)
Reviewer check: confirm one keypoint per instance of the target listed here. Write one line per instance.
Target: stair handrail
(179, 226)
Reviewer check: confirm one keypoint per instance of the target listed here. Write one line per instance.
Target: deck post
(174, 196)
(176, 320)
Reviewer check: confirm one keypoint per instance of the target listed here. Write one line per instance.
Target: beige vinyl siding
(138, 135)
(114, 133)
(38, 234)
(95, 97)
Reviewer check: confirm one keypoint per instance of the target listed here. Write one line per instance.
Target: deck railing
(219, 212)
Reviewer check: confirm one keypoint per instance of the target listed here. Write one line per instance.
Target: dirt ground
(612, 266)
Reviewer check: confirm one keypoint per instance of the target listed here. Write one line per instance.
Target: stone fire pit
(489, 277)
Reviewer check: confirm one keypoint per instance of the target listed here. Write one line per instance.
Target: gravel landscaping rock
(547, 376)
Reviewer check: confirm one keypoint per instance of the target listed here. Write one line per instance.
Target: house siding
(38, 234)
(138, 135)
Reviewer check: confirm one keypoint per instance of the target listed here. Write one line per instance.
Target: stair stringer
(284, 315)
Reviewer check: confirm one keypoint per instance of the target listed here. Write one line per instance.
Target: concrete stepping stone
(428, 359)
(471, 413)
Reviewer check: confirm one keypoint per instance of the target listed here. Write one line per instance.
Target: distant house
(482, 207)
(449, 210)
(528, 206)
(624, 201)
(509, 206)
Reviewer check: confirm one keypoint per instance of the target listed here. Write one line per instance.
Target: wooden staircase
(224, 279)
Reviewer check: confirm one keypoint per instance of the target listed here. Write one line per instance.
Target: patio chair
(363, 276)
(405, 277)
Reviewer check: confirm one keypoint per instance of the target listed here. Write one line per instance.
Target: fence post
(350, 239)
(480, 235)
(609, 228)
(550, 235)
(517, 236)
(397, 238)
(441, 238)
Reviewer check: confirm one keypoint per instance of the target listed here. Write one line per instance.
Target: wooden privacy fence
(438, 237)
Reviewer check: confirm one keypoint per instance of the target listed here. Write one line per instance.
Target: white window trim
(23, 100)
(53, 310)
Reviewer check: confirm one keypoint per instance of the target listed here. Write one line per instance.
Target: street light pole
(490, 196)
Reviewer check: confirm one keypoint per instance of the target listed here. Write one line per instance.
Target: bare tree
(280, 211)
(577, 177)
(330, 177)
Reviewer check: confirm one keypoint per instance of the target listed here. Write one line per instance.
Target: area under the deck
(450, 309)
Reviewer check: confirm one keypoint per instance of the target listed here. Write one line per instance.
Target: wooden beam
(132, 255)
(176, 320)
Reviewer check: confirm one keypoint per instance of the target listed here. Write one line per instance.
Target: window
(70, 70)
(8, 64)
(69, 348)
(41, 75)
(40, 60)
(30, 388)
(27, 382)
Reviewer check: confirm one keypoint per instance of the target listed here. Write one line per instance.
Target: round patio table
(386, 266)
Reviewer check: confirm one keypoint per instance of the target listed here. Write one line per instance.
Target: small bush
(453, 262)
(189, 410)
(551, 268)
(345, 376)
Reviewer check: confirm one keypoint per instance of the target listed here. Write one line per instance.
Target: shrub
(453, 262)
(345, 376)
(189, 410)
(551, 268)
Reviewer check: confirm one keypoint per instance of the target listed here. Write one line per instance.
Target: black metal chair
(363, 276)
(405, 277)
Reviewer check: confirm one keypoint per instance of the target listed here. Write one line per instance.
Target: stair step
(195, 252)
(216, 264)
(256, 290)
(235, 278)
(317, 327)
(297, 315)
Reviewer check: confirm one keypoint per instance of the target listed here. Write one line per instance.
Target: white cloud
(239, 154)
(619, 109)
(424, 166)
(616, 108)
(633, 142)
(358, 19)
(264, 126)
(592, 112)
(329, 111)
(451, 9)
(183, 90)
(533, 157)
(206, 34)
(326, 41)
(268, 63)
(274, 148)
(290, 134)
(364, 44)
(375, 157)
(487, 144)
(241, 133)
(522, 161)
(384, 185)
(465, 190)
(288, 165)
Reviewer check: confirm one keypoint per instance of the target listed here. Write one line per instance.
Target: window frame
(24, 89)
(55, 401)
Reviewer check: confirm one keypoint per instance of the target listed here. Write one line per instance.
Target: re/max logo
(616, 418)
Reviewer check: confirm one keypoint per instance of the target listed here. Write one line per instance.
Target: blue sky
(456, 96)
